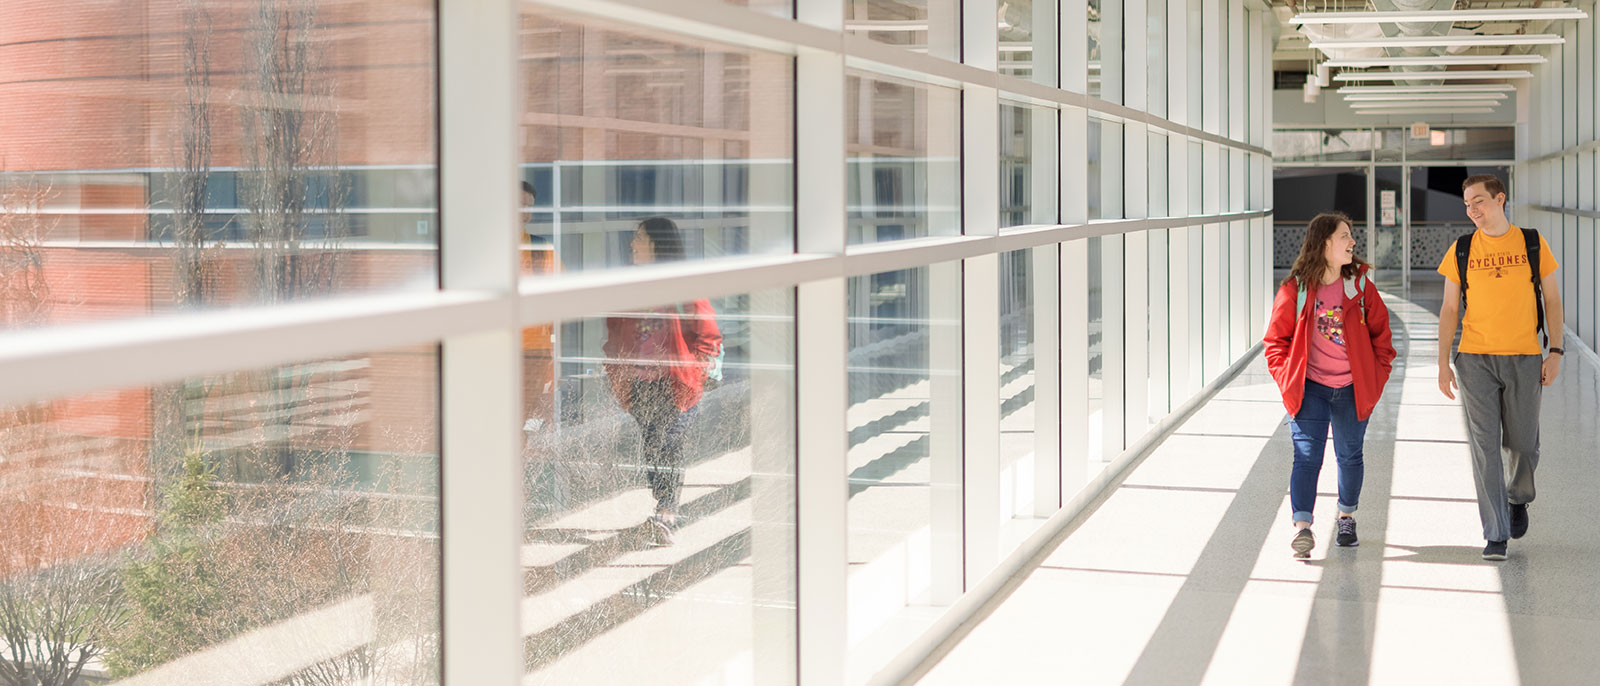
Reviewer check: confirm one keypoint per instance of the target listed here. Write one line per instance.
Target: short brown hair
(1491, 183)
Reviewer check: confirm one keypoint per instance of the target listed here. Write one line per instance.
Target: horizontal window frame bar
(58, 362)
(1569, 211)
(743, 28)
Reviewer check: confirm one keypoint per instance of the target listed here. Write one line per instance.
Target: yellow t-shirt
(1501, 318)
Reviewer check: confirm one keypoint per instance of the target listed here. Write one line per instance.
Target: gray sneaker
(1302, 544)
(1346, 537)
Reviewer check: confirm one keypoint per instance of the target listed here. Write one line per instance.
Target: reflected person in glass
(659, 362)
(1328, 347)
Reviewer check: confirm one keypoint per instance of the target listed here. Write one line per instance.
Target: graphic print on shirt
(1498, 264)
(1330, 322)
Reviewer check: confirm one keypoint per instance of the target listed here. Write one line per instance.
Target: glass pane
(1105, 49)
(1438, 215)
(625, 124)
(1018, 423)
(660, 494)
(131, 187)
(903, 158)
(1016, 165)
(1094, 154)
(1028, 39)
(776, 8)
(1097, 375)
(1496, 143)
(276, 525)
(905, 458)
(1105, 169)
(931, 27)
(1158, 175)
(1156, 51)
(1314, 146)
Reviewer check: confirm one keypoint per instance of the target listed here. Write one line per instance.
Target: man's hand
(1447, 380)
(1550, 369)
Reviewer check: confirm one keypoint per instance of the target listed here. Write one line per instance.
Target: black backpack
(1530, 237)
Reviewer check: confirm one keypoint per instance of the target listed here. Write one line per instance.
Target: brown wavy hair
(1310, 265)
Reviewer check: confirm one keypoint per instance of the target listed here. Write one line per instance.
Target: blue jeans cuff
(1347, 509)
(1302, 516)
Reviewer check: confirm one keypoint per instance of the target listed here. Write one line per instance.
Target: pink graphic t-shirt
(1328, 364)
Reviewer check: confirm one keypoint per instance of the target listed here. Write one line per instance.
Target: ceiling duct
(1416, 28)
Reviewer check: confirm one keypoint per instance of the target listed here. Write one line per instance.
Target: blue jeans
(1323, 406)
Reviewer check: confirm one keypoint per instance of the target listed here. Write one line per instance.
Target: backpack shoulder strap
(1530, 237)
(1463, 254)
(1300, 299)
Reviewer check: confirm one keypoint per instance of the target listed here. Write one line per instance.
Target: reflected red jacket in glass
(692, 339)
(1368, 344)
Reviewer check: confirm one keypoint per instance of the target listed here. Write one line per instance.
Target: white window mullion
(980, 295)
(480, 390)
(821, 374)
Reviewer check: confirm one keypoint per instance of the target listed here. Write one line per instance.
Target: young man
(1500, 366)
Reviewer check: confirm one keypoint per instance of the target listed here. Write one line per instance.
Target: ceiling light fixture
(1432, 103)
(1430, 75)
(1439, 41)
(1459, 88)
(1380, 97)
(1439, 110)
(1436, 60)
(1509, 14)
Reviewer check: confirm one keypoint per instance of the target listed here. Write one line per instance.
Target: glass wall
(623, 124)
(182, 200)
(813, 335)
(903, 147)
(223, 527)
(921, 26)
(659, 481)
(904, 461)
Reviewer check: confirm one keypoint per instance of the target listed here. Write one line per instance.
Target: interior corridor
(1184, 574)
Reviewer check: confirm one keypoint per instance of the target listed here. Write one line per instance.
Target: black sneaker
(1519, 520)
(1496, 550)
(1347, 533)
(1302, 544)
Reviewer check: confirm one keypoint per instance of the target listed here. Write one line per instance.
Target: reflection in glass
(931, 27)
(242, 172)
(1096, 331)
(905, 457)
(1105, 169)
(623, 123)
(660, 491)
(1018, 423)
(1016, 165)
(1027, 35)
(217, 530)
(1105, 49)
(903, 151)
(1156, 55)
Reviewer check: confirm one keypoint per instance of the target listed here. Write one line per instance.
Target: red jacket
(1368, 344)
(692, 341)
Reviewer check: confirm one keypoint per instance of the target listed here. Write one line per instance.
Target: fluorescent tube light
(1380, 97)
(1439, 110)
(1458, 88)
(1507, 14)
(1431, 103)
(1438, 41)
(1436, 60)
(1428, 75)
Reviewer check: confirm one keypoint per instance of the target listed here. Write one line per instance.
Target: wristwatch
(1558, 351)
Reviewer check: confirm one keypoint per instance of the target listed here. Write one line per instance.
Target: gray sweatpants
(1501, 395)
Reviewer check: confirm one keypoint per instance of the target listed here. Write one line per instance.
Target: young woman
(1328, 347)
(658, 360)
